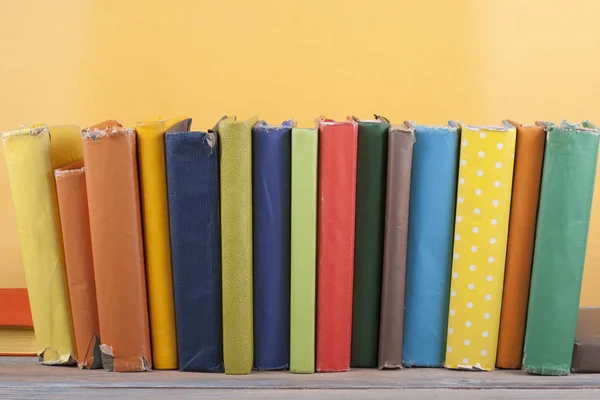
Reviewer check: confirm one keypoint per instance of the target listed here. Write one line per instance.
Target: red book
(335, 260)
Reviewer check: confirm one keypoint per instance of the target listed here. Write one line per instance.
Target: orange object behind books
(115, 224)
(529, 158)
(75, 224)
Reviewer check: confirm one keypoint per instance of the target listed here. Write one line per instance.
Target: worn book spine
(590, 289)
(401, 139)
(75, 224)
(429, 255)
(368, 250)
(529, 158)
(29, 163)
(305, 144)
(271, 147)
(111, 173)
(570, 160)
(335, 264)
(236, 243)
(480, 237)
(193, 192)
(157, 246)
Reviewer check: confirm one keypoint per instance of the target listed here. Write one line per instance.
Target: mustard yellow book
(153, 182)
(17, 341)
(481, 231)
(30, 162)
(236, 244)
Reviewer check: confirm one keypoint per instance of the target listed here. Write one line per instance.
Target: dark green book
(568, 179)
(368, 249)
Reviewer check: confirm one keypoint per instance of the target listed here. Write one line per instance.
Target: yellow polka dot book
(481, 230)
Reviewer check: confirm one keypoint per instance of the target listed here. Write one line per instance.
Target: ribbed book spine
(400, 148)
(75, 224)
(271, 193)
(368, 249)
(305, 144)
(335, 265)
(236, 243)
(429, 256)
(529, 158)
(29, 164)
(570, 160)
(193, 192)
(116, 230)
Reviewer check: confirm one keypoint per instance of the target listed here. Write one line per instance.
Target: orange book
(111, 174)
(75, 224)
(529, 157)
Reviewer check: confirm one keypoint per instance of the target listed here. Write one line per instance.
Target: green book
(303, 250)
(565, 205)
(371, 172)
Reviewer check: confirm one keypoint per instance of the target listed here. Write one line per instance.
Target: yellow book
(153, 182)
(481, 230)
(30, 162)
(17, 341)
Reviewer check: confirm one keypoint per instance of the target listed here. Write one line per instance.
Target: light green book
(303, 250)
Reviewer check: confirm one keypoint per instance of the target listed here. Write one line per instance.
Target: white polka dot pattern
(481, 229)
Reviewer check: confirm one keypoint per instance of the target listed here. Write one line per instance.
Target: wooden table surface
(23, 378)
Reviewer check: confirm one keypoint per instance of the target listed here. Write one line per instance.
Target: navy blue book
(193, 189)
(271, 191)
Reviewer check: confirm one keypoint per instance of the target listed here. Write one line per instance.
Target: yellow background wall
(81, 61)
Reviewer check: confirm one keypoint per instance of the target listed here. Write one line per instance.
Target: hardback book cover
(401, 138)
(305, 145)
(236, 243)
(157, 246)
(570, 160)
(335, 256)
(75, 225)
(271, 197)
(30, 162)
(429, 253)
(371, 172)
(529, 159)
(193, 191)
(111, 173)
(480, 238)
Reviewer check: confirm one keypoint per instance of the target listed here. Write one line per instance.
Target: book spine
(271, 146)
(570, 160)
(236, 244)
(305, 143)
(529, 157)
(193, 191)
(401, 139)
(480, 238)
(429, 256)
(116, 232)
(75, 224)
(335, 265)
(157, 246)
(29, 165)
(368, 250)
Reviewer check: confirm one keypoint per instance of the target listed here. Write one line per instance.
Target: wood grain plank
(376, 394)
(23, 373)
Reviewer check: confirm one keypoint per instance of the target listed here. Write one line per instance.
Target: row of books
(356, 243)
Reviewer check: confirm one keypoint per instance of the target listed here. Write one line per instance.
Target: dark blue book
(193, 189)
(271, 190)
